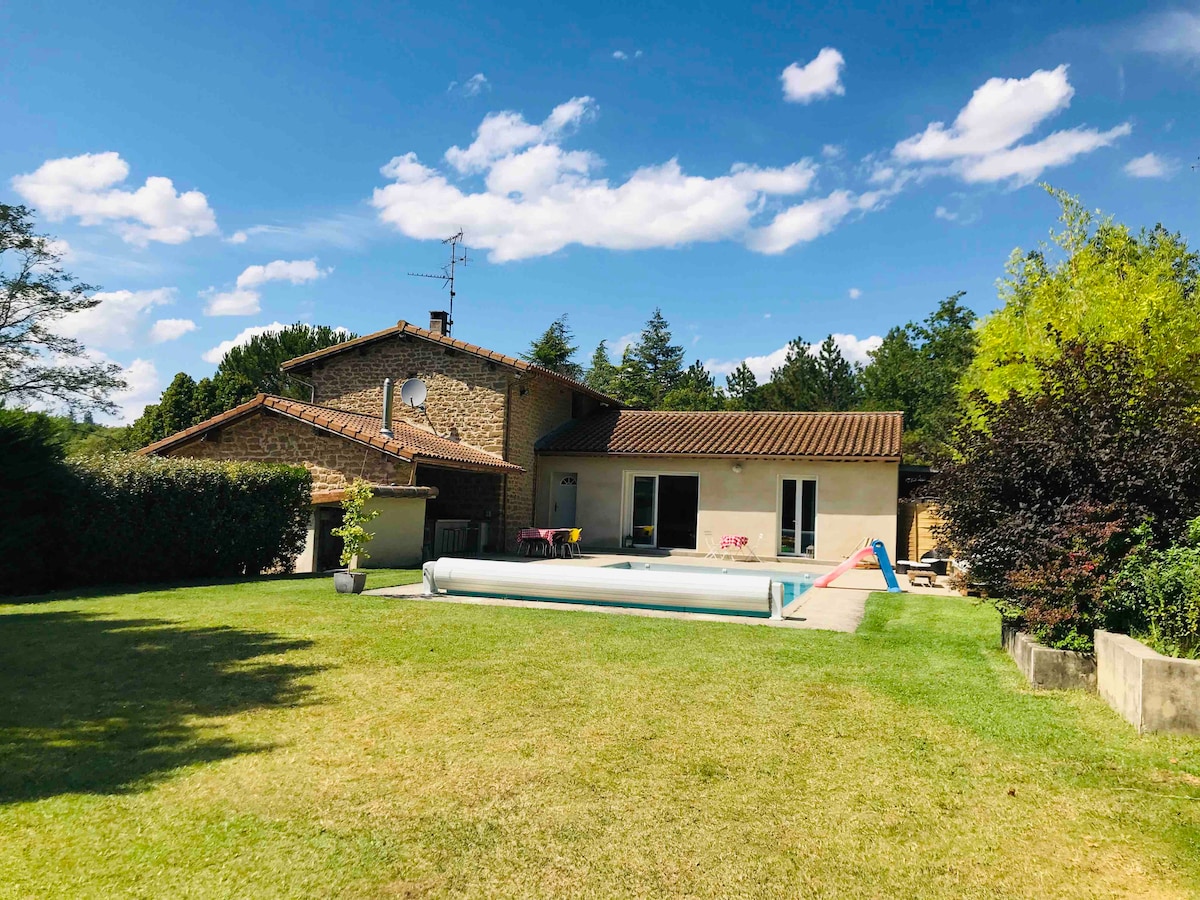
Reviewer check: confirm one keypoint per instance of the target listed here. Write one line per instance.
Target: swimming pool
(794, 583)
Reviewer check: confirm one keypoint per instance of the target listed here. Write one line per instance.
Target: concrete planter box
(1057, 670)
(1153, 692)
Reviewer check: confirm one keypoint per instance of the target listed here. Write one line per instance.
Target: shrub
(352, 531)
(1049, 484)
(1159, 591)
(34, 486)
(125, 519)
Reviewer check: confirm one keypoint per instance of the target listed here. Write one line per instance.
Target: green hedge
(131, 519)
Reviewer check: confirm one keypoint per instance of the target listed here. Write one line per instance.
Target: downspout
(504, 477)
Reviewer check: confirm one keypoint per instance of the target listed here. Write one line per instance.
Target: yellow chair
(571, 544)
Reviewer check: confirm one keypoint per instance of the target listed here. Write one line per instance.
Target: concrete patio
(839, 607)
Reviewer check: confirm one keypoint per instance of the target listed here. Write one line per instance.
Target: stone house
(457, 473)
(500, 444)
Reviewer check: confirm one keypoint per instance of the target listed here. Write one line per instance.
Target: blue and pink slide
(876, 549)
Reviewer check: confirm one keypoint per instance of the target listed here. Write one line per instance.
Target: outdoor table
(736, 543)
(527, 537)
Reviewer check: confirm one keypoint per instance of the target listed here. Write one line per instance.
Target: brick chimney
(439, 322)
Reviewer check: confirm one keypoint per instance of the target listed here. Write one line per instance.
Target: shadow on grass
(87, 592)
(96, 705)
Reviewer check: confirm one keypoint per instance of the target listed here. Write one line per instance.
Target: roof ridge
(404, 327)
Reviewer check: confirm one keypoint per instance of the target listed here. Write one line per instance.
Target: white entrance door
(566, 485)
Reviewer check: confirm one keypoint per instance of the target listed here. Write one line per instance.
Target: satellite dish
(413, 392)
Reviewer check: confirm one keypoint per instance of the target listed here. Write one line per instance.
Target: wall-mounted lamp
(737, 468)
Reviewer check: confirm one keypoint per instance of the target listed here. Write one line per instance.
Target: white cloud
(854, 349)
(999, 113)
(499, 134)
(1023, 164)
(87, 187)
(217, 353)
(942, 213)
(809, 220)
(831, 151)
(1151, 165)
(244, 300)
(115, 320)
(1171, 33)
(351, 232)
(981, 145)
(620, 54)
(822, 77)
(142, 387)
(297, 271)
(854, 293)
(232, 303)
(472, 87)
(61, 249)
(475, 84)
(617, 347)
(538, 197)
(170, 329)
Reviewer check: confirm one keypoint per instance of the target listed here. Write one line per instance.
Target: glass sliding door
(664, 511)
(678, 508)
(645, 502)
(798, 517)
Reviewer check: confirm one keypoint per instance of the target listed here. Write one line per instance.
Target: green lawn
(274, 739)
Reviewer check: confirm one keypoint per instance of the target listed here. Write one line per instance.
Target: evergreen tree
(695, 390)
(918, 369)
(633, 384)
(742, 388)
(244, 372)
(837, 381)
(602, 374)
(554, 350)
(659, 359)
(796, 385)
(254, 367)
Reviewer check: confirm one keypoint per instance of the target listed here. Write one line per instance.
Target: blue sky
(760, 172)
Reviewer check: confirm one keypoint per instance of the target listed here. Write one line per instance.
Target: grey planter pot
(349, 582)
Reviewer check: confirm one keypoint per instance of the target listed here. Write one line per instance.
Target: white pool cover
(753, 595)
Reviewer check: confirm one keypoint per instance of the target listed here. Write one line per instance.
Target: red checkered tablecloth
(734, 541)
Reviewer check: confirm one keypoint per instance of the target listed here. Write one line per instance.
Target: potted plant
(355, 536)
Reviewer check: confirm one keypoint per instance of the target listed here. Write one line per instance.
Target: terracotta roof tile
(405, 328)
(822, 435)
(407, 442)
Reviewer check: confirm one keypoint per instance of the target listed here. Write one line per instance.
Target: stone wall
(544, 406)
(466, 402)
(466, 394)
(269, 437)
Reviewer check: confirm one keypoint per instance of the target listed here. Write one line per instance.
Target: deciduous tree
(37, 363)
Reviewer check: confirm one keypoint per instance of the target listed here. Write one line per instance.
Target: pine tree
(695, 390)
(742, 388)
(553, 350)
(837, 380)
(633, 384)
(602, 375)
(661, 360)
(794, 386)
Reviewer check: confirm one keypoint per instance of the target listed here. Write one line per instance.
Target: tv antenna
(446, 276)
